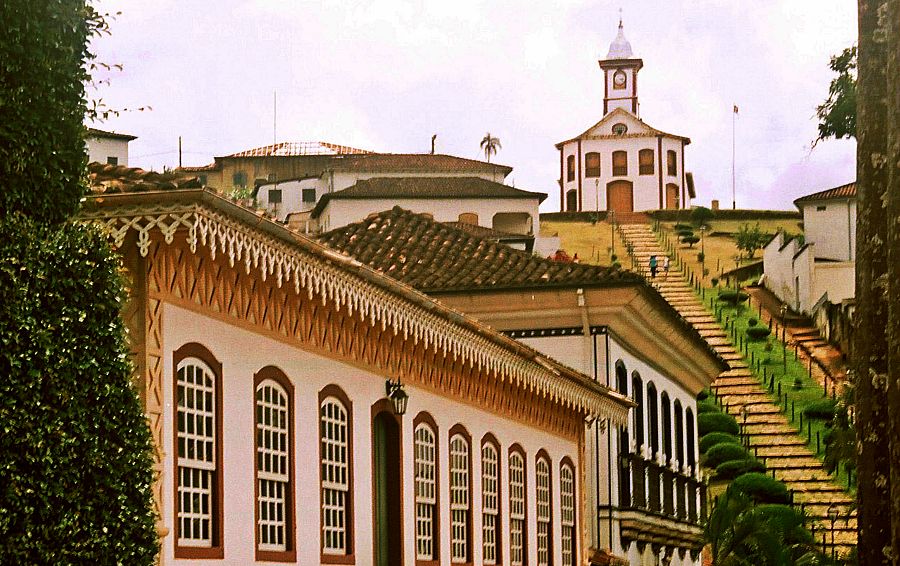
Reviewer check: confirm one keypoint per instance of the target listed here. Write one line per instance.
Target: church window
(518, 534)
(426, 493)
(274, 512)
(460, 507)
(490, 501)
(335, 450)
(672, 163)
(620, 163)
(544, 526)
(645, 162)
(592, 165)
(620, 129)
(567, 512)
(570, 168)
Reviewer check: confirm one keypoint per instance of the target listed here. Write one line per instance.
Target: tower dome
(620, 48)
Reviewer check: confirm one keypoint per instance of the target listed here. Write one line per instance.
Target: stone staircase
(772, 438)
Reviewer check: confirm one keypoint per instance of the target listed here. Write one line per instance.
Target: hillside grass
(592, 242)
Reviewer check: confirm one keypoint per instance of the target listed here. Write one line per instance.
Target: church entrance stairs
(770, 435)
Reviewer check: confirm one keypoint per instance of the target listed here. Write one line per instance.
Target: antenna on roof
(434, 137)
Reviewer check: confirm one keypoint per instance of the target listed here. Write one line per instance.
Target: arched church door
(672, 196)
(572, 201)
(620, 196)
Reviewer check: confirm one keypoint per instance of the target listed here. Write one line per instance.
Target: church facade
(621, 164)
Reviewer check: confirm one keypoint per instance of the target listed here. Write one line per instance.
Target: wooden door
(672, 196)
(620, 196)
(387, 474)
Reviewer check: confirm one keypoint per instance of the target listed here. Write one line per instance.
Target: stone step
(793, 463)
(747, 388)
(735, 373)
(757, 430)
(780, 451)
(728, 381)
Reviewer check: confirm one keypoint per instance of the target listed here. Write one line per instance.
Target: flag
(735, 109)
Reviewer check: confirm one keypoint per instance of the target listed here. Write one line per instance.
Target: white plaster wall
(836, 279)
(782, 269)
(832, 230)
(291, 196)
(243, 353)
(99, 149)
(341, 212)
(620, 98)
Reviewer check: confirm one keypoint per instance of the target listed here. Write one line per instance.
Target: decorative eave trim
(554, 332)
(271, 250)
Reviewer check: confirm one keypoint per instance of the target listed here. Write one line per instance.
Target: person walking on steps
(653, 265)
(666, 265)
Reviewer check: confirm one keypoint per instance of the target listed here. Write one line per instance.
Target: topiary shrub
(716, 422)
(714, 281)
(758, 333)
(724, 452)
(821, 410)
(761, 488)
(681, 226)
(714, 438)
(752, 322)
(734, 468)
(700, 215)
(76, 471)
(704, 394)
(690, 240)
(707, 407)
(732, 297)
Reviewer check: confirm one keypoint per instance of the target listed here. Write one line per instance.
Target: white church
(620, 163)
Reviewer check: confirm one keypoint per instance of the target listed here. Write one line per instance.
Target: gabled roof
(432, 257)
(620, 114)
(842, 192)
(110, 179)
(488, 233)
(95, 133)
(418, 163)
(426, 188)
(293, 149)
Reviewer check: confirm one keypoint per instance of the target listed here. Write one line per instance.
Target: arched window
(679, 433)
(567, 512)
(620, 163)
(637, 392)
(653, 416)
(460, 496)
(592, 164)
(645, 162)
(198, 475)
(518, 531)
(621, 378)
(425, 454)
(542, 482)
(335, 452)
(570, 168)
(274, 466)
(672, 163)
(468, 218)
(689, 432)
(666, 425)
(572, 200)
(490, 500)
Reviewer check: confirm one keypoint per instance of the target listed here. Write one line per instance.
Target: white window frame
(567, 513)
(490, 502)
(518, 500)
(544, 512)
(334, 435)
(460, 499)
(425, 458)
(273, 455)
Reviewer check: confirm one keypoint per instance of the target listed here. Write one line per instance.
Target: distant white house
(817, 276)
(620, 163)
(109, 148)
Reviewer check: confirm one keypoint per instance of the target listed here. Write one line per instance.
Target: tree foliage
(490, 145)
(750, 238)
(837, 115)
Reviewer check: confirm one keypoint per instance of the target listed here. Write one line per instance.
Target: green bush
(714, 281)
(681, 226)
(733, 468)
(789, 521)
(690, 240)
(758, 333)
(707, 407)
(76, 472)
(684, 232)
(724, 452)
(714, 438)
(700, 215)
(823, 409)
(761, 488)
(752, 322)
(704, 394)
(716, 422)
(733, 297)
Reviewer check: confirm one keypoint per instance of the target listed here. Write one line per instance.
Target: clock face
(619, 79)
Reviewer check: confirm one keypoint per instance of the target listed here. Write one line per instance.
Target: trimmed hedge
(704, 394)
(76, 474)
(680, 226)
(761, 488)
(716, 422)
(724, 452)
(715, 438)
(707, 407)
(690, 240)
(821, 410)
(734, 468)
(733, 297)
(758, 333)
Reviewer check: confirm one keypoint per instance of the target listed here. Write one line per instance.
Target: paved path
(772, 437)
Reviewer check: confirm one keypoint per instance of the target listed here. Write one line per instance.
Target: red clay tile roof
(426, 188)
(433, 257)
(844, 191)
(418, 162)
(95, 133)
(293, 149)
(108, 179)
(487, 233)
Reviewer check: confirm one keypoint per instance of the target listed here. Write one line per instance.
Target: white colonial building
(275, 374)
(620, 163)
(108, 148)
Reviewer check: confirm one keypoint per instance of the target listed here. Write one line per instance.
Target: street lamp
(832, 516)
(397, 395)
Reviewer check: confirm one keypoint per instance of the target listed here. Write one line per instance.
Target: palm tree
(490, 145)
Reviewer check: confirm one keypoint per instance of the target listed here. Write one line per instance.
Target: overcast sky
(385, 76)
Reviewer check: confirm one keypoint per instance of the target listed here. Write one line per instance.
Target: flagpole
(733, 194)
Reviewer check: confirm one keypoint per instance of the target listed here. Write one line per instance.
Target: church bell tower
(620, 70)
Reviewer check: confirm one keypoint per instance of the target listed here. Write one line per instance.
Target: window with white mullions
(196, 416)
(272, 465)
(459, 499)
(544, 520)
(567, 513)
(490, 503)
(517, 513)
(334, 432)
(425, 454)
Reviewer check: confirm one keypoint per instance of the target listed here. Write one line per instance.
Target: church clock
(619, 79)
